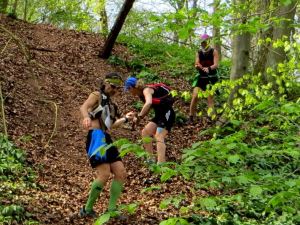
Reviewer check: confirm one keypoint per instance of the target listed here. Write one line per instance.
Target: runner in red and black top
(206, 62)
(158, 97)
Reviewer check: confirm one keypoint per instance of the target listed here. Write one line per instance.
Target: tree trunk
(116, 29)
(103, 18)
(287, 13)
(216, 31)
(240, 53)
(14, 10)
(25, 9)
(3, 6)
(260, 55)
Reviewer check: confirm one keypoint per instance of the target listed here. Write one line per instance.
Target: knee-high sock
(115, 192)
(96, 188)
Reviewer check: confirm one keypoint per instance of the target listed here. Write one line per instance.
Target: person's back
(161, 96)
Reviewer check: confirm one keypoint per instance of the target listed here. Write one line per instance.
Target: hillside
(46, 74)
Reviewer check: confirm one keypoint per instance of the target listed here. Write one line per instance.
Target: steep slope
(46, 73)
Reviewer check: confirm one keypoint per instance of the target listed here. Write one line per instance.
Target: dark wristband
(126, 119)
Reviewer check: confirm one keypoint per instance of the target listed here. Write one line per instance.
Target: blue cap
(130, 83)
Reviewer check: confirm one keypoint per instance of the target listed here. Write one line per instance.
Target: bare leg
(103, 173)
(160, 135)
(149, 131)
(210, 101)
(194, 101)
(118, 169)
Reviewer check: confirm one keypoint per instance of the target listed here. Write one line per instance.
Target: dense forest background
(239, 165)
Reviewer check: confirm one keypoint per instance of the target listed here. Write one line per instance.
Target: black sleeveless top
(206, 60)
(160, 98)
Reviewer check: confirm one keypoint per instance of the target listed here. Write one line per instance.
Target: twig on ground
(19, 43)
(55, 120)
(5, 46)
(2, 112)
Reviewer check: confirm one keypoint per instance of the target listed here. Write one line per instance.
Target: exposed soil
(43, 92)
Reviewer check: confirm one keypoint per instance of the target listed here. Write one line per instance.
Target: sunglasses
(113, 86)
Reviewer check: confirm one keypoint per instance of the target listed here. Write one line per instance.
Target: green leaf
(167, 174)
(234, 159)
(255, 191)
(208, 203)
(152, 188)
(165, 203)
(286, 2)
(102, 219)
(231, 145)
(242, 179)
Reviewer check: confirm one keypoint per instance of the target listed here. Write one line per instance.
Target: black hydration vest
(206, 60)
(161, 97)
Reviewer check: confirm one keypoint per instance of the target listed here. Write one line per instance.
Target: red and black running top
(161, 96)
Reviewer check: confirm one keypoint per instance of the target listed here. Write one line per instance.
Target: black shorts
(203, 82)
(164, 117)
(95, 139)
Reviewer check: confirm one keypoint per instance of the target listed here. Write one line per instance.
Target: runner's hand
(205, 69)
(87, 122)
(130, 115)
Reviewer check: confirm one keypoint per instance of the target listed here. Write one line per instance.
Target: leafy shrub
(15, 176)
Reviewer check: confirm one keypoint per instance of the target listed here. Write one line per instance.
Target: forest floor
(46, 74)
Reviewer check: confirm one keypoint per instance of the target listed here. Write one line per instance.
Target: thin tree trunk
(216, 31)
(25, 9)
(3, 6)
(14, 10)
(116, 29)
(103, 18)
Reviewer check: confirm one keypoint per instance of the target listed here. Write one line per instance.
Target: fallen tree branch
(3, 112)
(55, 120)
(5, 46)
(19, 43)
(41, 49)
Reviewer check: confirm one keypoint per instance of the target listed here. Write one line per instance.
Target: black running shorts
(164, 117)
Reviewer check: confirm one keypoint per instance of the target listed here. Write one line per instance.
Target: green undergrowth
(15, 177)
(249, 166)
(161, 57)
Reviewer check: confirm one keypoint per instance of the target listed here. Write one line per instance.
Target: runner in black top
(158, 97)
(206, 62)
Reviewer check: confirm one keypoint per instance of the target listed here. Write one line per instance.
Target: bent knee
(159, 138)
(146, 132)
(120, 174)
(103, 176)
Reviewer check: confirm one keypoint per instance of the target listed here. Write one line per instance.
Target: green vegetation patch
(15, 178)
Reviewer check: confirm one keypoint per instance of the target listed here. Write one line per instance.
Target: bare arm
(148, 92)
(118, 122)
(197, 61)
(86, 106)
(216, 60)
